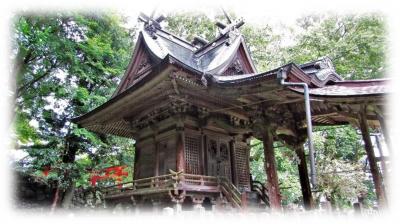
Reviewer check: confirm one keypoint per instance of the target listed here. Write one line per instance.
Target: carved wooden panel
(242, 166)
(225, 162)
(141, 65)
(218, 157)
(212, 154)
(239, 65)
(192, 154)
(235, 68)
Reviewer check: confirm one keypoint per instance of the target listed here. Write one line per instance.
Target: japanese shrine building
(193, 107)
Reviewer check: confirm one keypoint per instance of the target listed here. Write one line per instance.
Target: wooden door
(218, 158)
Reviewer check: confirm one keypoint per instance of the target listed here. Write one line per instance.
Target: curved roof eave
(138, 83)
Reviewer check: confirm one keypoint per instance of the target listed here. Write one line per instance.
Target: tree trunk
(55, 199)
(69, 194)
(71, 148)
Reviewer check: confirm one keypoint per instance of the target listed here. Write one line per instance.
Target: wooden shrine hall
(192, 108)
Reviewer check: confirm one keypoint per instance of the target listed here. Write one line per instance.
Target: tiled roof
(351, 88)
(213, 59)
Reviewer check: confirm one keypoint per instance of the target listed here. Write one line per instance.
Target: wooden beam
(303, 176)
(376, 176)
(270, 169)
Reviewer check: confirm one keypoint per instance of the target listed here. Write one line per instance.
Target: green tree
(65, 64)
(355, 43)
(340, 165)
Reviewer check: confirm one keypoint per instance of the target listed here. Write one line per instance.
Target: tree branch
(22, 88)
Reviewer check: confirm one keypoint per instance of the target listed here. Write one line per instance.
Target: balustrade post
(243, 198)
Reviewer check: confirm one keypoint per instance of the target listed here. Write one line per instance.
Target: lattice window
(192, 154)
(242, 169)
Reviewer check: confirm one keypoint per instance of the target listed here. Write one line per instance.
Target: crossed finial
(150, 20)
(232, 25)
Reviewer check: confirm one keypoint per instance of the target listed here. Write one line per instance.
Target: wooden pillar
(245, 203)
(233, 161)
(180, 154)
(157, 155)
(136, 163)
(303, 176)
(386, 136)
(371, 158)
(201, 153)
(270, 168)
(383, 160)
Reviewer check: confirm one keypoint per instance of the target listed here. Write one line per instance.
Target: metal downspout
(281, 75)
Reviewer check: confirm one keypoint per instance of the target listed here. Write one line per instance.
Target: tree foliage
(355, 43)
(66, 64)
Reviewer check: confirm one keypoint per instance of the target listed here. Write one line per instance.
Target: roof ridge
(181, 39)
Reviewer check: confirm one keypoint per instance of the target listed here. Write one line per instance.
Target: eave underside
(226, 102)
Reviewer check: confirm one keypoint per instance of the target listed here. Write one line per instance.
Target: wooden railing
(144, 186)
(231, 192)
(173, 181)
(163, 181)
(261, 190)
(199, 180)
(118, 188)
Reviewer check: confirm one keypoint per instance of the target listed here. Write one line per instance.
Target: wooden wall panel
(147, 161)
(167, 155)
(242, 166)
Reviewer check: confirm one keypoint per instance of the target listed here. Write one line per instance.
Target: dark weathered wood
(270, 168)
(180, 147)
(244, 200)
(304, 180)
(233, 162)
(376, 176)
(205, 156)
(201, 154)
(136, 163)
(157, 155)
